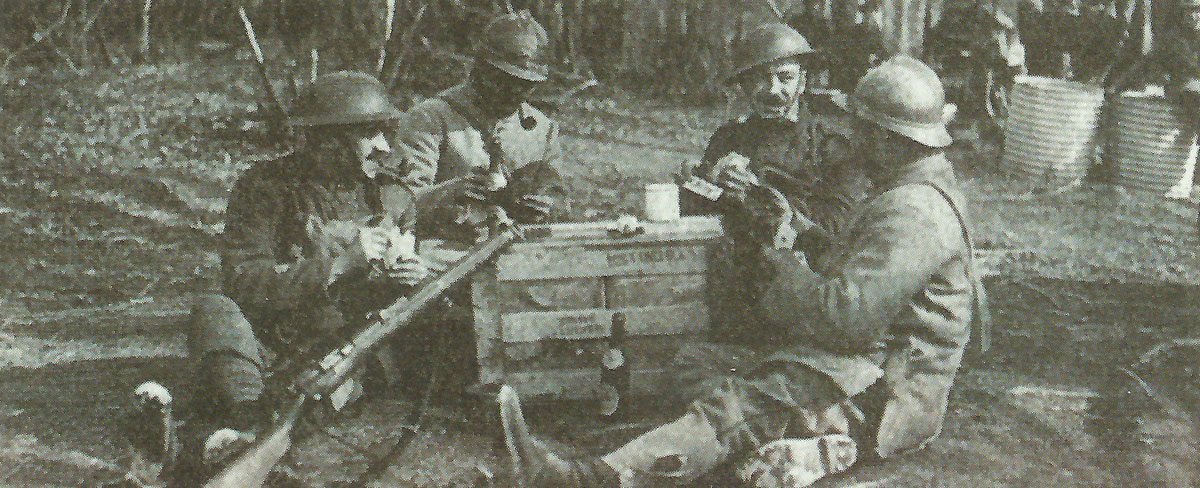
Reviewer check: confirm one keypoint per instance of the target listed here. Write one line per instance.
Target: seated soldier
(303, 255)
(486, 132)
(785, 142)
(484, 136)
(872, 334)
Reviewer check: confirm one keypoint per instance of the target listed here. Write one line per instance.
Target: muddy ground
(111, 196)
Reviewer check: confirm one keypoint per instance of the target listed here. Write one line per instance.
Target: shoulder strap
(981, 315)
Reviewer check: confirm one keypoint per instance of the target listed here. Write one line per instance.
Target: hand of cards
(397, 247)
(704, 185)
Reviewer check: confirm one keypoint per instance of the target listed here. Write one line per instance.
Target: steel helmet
(764, 44)
(905, 96)
(344, 97)
(516, 44)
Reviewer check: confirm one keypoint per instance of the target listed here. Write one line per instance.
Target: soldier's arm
(252, 275)
(419, 142)
(718, 147)
(906, 238)
(540, 180)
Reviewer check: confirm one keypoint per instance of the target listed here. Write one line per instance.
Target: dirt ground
(112, 192)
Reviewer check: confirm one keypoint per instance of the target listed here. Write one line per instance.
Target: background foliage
(672, 45)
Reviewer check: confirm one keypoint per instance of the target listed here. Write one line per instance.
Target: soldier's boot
(798, 463)
(237, 387)
(150, 429)
(673, 454)
(535, 465)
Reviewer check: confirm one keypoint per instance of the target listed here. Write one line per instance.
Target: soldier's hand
(482, 181)
(408, 271)
(535, 208)
(736, 181)
(686, 170)
(370, 244)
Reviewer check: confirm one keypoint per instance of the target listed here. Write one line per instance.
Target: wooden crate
(544, 314)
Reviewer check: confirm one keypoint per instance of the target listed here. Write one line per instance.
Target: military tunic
(446, 136)
(284, 228)
(812, 161)
(819, 178)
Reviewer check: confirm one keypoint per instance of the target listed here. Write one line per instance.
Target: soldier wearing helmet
(868, 338)
(485, 132)
(789, 142)
(305, 252)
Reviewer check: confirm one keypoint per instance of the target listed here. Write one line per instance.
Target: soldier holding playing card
(313, 242)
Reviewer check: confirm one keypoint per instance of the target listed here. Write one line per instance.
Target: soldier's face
(369, 147)
(775, 89)
(498, 91)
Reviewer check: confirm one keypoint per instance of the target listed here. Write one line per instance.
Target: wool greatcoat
(892, 302)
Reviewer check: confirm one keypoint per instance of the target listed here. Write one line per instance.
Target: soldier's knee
(218, 325)
(231, 378)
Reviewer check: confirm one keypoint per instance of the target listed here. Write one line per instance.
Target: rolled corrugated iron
(1052, 126)
(1155, 152)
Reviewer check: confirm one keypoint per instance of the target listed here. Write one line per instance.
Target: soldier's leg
(733, 419)
(229, 361)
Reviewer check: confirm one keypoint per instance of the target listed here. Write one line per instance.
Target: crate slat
(546, 295)
(584, 383)
(594, 323)
(534, 262)
(641, 352)
(689, 228)
(643, 291)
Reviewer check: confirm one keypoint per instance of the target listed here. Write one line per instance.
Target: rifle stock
(252, 467)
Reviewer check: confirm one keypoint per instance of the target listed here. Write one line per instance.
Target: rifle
(276, 108)
(322, 383)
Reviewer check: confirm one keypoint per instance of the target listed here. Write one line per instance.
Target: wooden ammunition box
(544, 314)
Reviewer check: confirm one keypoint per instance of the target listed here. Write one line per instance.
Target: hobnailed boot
(798, 463)
(534, 464)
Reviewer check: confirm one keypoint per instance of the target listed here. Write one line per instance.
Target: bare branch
(405, 46)
(40, 36)
(316, 62)
(387, 36)
(775, 8)
(144, 49)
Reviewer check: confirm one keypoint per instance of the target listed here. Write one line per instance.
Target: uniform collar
(934, 168)
(463, 97)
